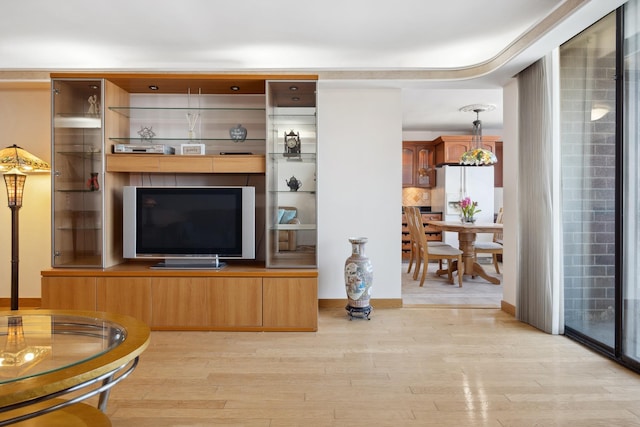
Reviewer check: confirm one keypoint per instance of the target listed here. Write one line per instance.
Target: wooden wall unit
(244, 297)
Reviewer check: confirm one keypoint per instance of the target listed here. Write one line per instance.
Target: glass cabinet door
(291, 174)
(78, 172)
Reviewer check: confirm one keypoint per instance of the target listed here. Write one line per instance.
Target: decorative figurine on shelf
(238, 133)
(294, 183)
(92, 182)
(292, 143)
(146, 133)
(192, 120)
(94, 106)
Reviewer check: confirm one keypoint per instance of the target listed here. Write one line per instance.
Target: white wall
(25, 120)
(359, 185)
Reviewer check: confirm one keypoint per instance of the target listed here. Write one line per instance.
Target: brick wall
(588, 182)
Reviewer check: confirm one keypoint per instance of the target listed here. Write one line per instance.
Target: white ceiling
(443, 54)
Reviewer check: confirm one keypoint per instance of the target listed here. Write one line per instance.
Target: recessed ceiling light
(235, 88)
(153, 87)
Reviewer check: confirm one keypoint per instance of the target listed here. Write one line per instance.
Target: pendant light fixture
(478, 156)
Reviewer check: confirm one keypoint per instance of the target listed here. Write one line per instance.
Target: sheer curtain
(539, 297)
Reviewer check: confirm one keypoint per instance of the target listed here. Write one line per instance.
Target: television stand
(244, 296)
(175, 264)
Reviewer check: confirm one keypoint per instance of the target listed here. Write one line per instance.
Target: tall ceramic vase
(358, 278)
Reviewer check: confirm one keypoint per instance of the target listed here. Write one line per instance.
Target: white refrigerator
(453, 183)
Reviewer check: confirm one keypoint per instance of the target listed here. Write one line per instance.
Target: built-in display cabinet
(85, 215)
(220, 130)
(292, 146)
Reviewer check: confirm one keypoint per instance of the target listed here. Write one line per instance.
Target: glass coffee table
(52, 360)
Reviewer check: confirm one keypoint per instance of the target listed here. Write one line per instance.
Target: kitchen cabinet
(497, 168)
(448, 149)
(418, 166)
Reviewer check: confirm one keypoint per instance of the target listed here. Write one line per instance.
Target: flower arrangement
(469, 209)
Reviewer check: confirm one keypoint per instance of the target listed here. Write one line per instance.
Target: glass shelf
(76, 191)
(184, 140)
(79, 228)
(179, 113)
(294, 227)
(302, 157)
(292, 192)
(76, 121)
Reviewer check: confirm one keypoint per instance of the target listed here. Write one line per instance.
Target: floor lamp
(16, 163)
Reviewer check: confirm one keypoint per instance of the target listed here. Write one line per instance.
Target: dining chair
(414, 250)
(494, 247)
(440, 252)
(413, 216)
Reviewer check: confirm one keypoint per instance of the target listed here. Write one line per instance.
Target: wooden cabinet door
(454, 150)
(206, 302)
(425, 174)
(125, 295)
(68, 293)
(418, 164)
(290, 303)
(235, 302)
(408, 170)
(180, 302)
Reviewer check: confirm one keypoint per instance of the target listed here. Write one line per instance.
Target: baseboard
(5, 303)
(375, 303)
(508, 308)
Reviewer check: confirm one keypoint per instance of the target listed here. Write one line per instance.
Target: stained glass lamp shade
(478, 156)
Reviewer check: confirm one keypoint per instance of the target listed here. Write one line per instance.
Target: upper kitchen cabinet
(449, 149)
(418, 166)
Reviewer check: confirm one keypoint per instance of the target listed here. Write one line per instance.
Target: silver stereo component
(144, 148)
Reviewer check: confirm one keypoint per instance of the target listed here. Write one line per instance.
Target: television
(189, 227)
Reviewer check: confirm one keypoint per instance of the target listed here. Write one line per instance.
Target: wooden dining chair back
(414, 250)
(438, 252)
(494, 247)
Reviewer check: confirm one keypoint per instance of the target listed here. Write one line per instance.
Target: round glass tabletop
(37, 344)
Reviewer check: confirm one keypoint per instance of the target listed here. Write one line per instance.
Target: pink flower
(469, 208)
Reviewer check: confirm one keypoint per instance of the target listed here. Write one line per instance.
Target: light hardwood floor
(404, 367)
(437, 291)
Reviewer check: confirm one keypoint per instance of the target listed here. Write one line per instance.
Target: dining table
(467, 234)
